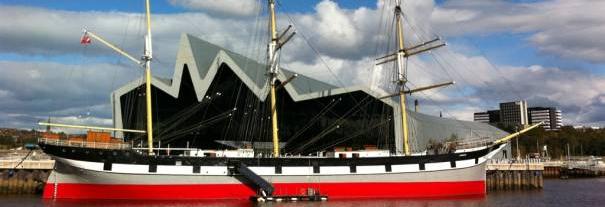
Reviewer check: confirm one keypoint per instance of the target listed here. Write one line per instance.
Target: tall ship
(213, 131)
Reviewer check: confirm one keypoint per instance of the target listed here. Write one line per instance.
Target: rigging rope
(356, 134)
(336, 124)
(196, 126)
(319, 56)
(313, 120)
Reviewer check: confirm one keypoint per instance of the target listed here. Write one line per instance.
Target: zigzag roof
(203, 60)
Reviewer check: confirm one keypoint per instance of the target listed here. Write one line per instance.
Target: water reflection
(141, 203)
(145, 203)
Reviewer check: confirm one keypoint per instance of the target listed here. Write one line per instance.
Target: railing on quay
(514, 164)
(27, 164)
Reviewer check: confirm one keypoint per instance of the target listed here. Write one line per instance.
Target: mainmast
(400, 56)
(147, 58)
(275, 44)
(273, 67)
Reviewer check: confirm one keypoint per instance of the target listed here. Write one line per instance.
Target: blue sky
(544, 51)
(512, 49)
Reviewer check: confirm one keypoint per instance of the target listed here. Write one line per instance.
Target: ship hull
(76, 183)
(77, 176)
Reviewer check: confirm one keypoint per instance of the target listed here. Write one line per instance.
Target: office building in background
(514, 113)
(549, 115)
(518, 114)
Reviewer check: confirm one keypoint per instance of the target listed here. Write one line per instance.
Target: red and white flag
(85, 39)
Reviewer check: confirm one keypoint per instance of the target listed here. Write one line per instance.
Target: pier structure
(586, 166)
(514, 174)
(22, 172)
(589, 166)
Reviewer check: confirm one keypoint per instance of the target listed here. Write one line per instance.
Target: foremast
(146, 62)
(401, 78)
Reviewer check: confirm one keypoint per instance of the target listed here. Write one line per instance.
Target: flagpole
(86, 40)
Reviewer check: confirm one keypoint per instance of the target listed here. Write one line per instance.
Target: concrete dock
(24, 176)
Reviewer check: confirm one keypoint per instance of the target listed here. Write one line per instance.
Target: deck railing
(85, 144)
(469, 143)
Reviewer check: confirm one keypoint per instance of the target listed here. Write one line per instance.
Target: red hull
(240, 191)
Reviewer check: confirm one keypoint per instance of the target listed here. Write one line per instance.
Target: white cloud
(335, 27)
(5, 94)
(570, 29)
(45, 32)
(482, 86)
(58, 90)
(79, 120)
(227, 7)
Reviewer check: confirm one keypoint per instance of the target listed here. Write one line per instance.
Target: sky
(546, 52)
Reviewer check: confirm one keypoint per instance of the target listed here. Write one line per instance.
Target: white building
(482, 117)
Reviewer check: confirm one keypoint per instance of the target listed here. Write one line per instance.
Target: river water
(572, 192)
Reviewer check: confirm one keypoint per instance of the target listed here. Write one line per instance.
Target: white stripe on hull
(266, 171)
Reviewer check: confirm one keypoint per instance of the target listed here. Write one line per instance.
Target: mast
(401, 79)
(400, 56)
(147, 58)
(273, 69)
